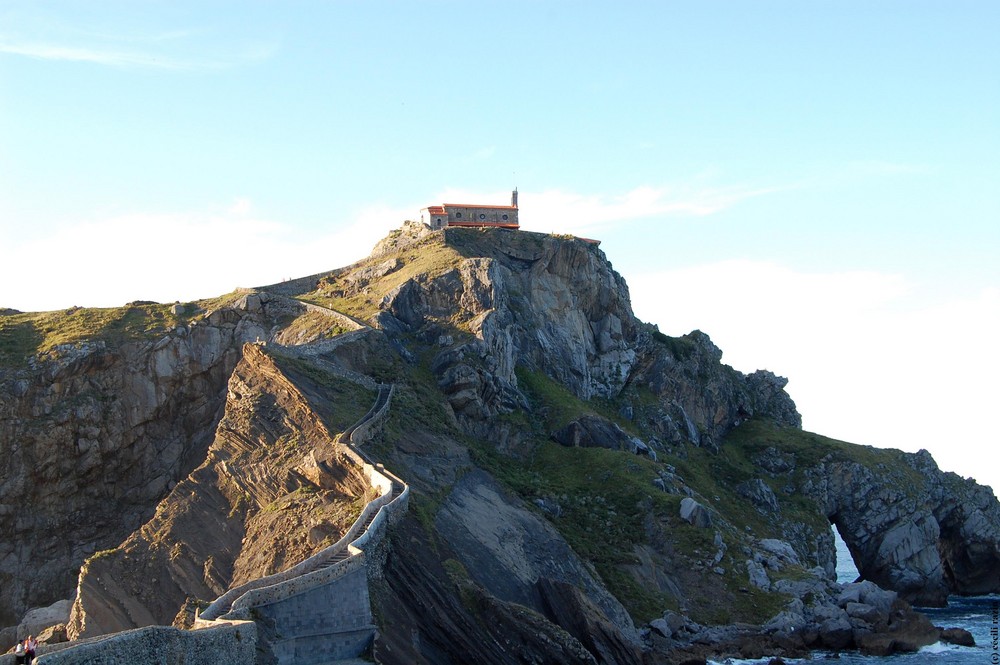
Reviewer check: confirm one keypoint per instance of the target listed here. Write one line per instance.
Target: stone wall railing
(218, 637)
(362, 431)
(224, 603)
(381, 512)
(224, 643)
(386, 516)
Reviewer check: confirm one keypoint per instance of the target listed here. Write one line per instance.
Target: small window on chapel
(482, 215)
(505, 217)
(458, 215)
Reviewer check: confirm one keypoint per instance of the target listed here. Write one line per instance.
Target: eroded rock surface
(922, 532)
(270, 493)
(94, 434)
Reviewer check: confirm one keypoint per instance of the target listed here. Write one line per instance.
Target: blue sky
(812, 183)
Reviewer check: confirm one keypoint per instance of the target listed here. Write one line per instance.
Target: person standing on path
(30, 645)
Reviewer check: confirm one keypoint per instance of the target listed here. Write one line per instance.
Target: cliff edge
(585, 488)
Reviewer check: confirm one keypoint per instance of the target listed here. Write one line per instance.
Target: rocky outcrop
(547, 303)
(575, 472)
(269, 494)
(94, 434)
(912, 527)
(433, 614)
(699, 398)
(594, 432)
(506, 549)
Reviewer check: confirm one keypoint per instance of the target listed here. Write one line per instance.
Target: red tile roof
(476, 205)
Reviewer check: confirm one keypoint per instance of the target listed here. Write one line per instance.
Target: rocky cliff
(586, 489)
(96, 430)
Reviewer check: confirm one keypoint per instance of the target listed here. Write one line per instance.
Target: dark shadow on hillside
(18, 342)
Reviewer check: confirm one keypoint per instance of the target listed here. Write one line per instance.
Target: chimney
(513, 198)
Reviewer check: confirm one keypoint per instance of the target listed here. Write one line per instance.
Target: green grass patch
(430, 257)
(681, 348)
(809, 449)
(28, 334)
(340, 402)
(604, 497)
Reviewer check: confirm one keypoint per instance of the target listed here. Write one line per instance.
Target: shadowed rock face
(90, 443)
(507, 549)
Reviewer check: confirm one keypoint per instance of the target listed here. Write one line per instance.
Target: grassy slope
(27, 334)
(608, 502)
(430, 257)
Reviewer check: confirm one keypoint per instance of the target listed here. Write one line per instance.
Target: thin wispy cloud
(563, 211)
(130, 43)
(133, 58)
(484, 153)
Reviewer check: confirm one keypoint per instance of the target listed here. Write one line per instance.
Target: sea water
(976, 614)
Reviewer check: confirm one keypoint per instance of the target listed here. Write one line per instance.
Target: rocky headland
(584, 488)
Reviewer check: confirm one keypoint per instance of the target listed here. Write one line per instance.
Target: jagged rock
(836, 634)
(221, 525)
(593, 432)
(759, 494)
(93, 434)
(781, 552)
(774, 461)
(868, 593)
(726, 397)
(661, 627)
(908, 631)
(474, 521)
(38, 619)
(899, 527)
(52, 634)
(571, 317)
(863, 611)
(570, 608)
(362, 276)
(476, 573)
(473, 627)
(958, 636)
(757, 574)
(694, 513)
(787, 621)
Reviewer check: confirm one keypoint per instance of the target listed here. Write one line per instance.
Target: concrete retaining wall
(329, 621)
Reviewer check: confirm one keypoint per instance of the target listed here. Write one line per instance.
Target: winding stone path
(319, 612)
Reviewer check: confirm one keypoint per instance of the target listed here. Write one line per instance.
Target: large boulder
(694, 513)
